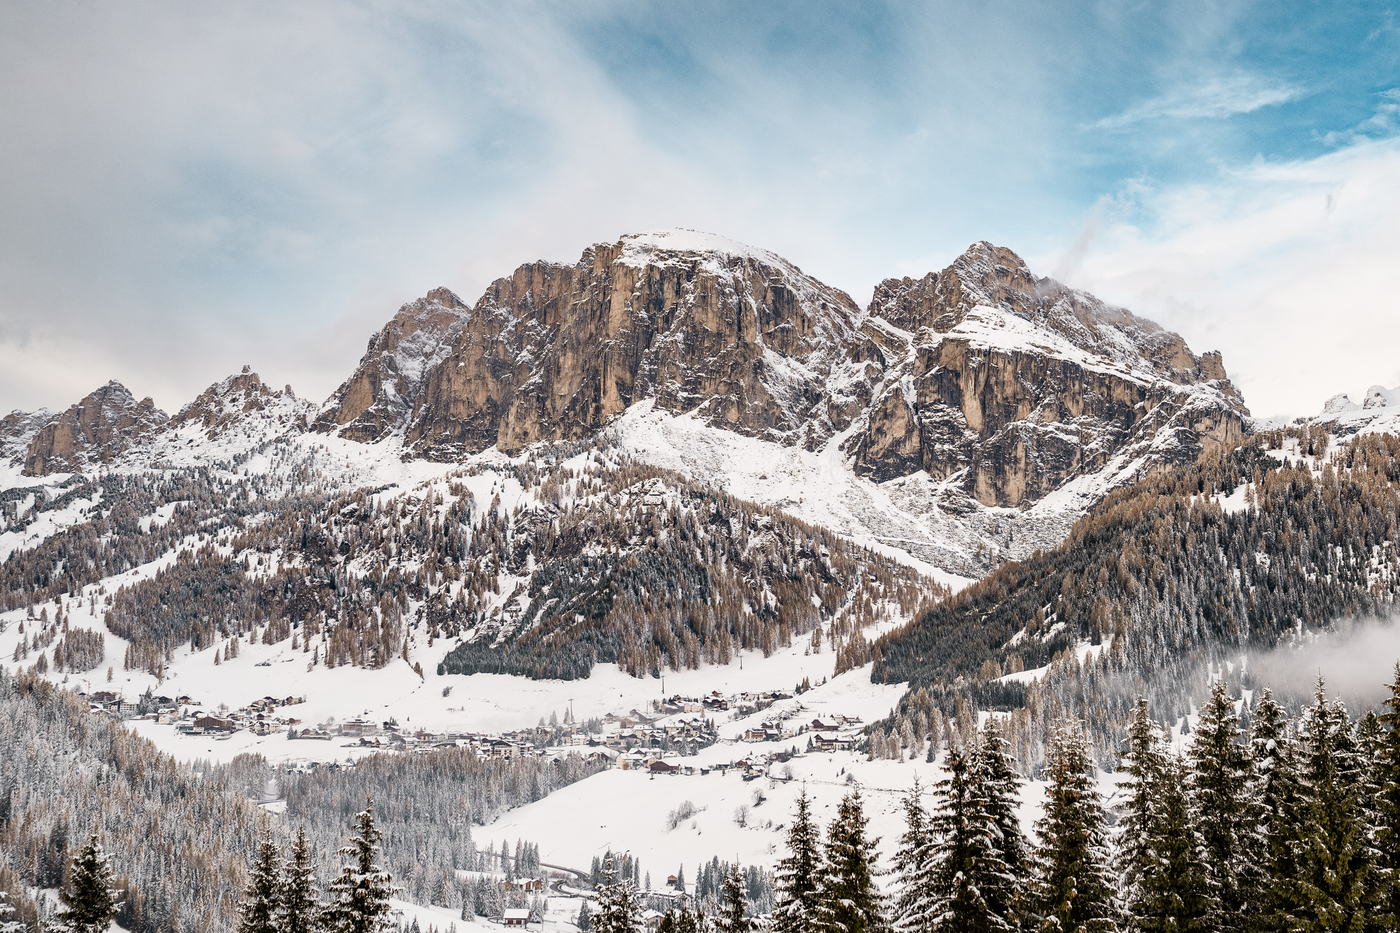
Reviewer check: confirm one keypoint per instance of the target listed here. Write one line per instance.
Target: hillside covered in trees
(541, 567)
(1187, 572)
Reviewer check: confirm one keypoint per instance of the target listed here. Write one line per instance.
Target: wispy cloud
(1286, 267)
(1212, 99)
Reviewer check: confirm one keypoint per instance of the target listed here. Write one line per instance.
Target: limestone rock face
(1009, 385)
(378, 397)
(17, 430)
(101, 427)
(701, 324)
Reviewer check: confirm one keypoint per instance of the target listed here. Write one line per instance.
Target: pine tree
(1175, 894)
(730, 918)
(848, 901)
(913, 863)
(963, 863)
(1278, 792)
(1387, 837)
(359, 897)
(1001, 788)
(1139, 815)
(91, 901)
(262, 898)
(1226, 813)
(298, 904)
(585, 916)
(1334, 878)
(618, 909)
(799, 873)
(1072, 888)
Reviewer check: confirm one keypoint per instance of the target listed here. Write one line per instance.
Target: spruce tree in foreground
(1387, 837)
(913, 863)
(1142, 763)
(849, 901)
(1279, 796)
(1226, 813)
(1001, 789)
(1071, 889)
(298, 904)
(262, 898)
(730, 918)
(1175, 894)
(359, 896)
(798, 876)
(1334, 873)
(91, 900)
(618, 909)
(964, 864)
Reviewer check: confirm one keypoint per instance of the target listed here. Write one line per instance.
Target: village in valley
(658, 740)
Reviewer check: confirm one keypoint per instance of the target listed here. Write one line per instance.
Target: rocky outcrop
(101, 427)
(1009, 385)
(17, 430)
(236, 398)
(738, 336)
(378, 398)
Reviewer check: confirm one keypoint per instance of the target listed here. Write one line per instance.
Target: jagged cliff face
(738, 336)
(98, 429)
(378, 398)
(1006, 386)
(17, 430)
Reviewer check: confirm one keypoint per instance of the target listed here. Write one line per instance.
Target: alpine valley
(644, 554)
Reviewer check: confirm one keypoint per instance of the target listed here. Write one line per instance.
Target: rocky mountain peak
(231, 399)
(699, 323)
(377, 399)
(1010, 385)
(97, 429)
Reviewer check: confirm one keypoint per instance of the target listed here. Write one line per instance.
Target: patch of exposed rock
(1006, 385)
(378, 397)
(98, 429)
(17, 430)
(738, 336)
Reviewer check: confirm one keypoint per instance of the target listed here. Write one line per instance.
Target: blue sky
(190, 188)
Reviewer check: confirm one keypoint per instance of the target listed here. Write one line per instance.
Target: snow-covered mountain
(963, 417)
(1378, 411)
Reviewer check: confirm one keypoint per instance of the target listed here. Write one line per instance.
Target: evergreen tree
(913, 863)
(91, 901)
(1174, 894)
(690, 921)
(1225, 811)
(1142, 763)
(585, 916)
(849, 901)
(1279, 796)
(298, 904)
(963, 862)
(618, 909)
(1072, 888)
(1001, 789)
(359, 897)
(730, 917)
(799, 873)
(1334, 877)
(7, 922)
(1387, 836)
(262, 898)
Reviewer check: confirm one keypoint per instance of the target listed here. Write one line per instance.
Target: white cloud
(1288, 268)
(1211, 99)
